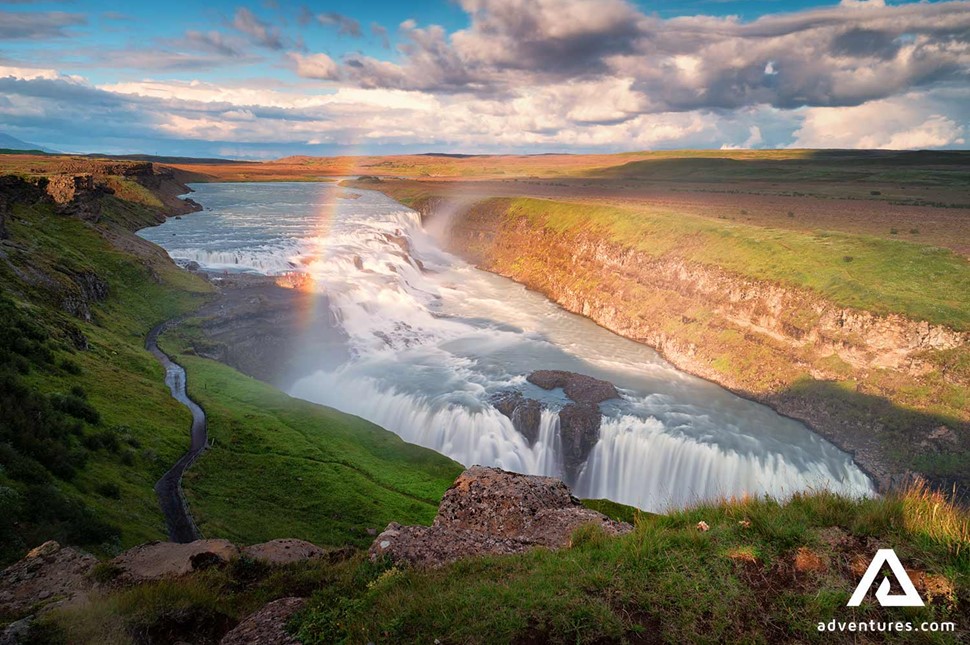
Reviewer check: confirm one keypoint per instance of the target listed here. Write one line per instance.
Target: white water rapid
(432, 339)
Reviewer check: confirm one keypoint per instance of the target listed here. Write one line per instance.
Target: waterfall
(638, 462)
(457, 425)
(432, 340)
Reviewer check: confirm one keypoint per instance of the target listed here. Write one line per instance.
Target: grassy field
(877, 275)
(764, 572)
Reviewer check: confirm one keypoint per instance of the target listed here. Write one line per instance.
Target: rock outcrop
(579, 430)
(579, 421)
(256, 326)
(16, 190)
(266, 626)
(488, 511)
(48, 575)
(578, 387)
(160, 560)
(524, 413)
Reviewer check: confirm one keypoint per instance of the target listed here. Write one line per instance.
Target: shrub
(76, 407)
(106, 439)
(70, 367)
(105, 572)
(108, 489)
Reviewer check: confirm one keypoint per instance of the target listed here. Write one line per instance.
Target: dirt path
(181, 527)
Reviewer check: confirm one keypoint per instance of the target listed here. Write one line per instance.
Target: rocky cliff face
(16, 190)
(775, 343)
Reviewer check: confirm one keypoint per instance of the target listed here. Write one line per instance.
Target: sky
(270, 78)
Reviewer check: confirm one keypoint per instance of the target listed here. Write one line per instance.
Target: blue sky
(271, 77)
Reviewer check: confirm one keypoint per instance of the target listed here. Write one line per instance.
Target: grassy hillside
(87, 425)
(85, 304)
(764, 572)
(319, 474)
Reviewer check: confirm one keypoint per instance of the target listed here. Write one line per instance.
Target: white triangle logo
(909, 597)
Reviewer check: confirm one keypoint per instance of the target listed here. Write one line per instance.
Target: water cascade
(432, 341)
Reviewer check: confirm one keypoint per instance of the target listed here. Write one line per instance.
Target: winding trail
(178, 520)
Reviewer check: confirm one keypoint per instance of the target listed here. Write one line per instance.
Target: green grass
(764, 572)
(885, 276)
(321, 475)
(279, 467)
(198, 608)
(670, 582)
(122, 381)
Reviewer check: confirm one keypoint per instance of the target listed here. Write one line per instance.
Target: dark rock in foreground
(266, 626)
(579, 430)
(489, 511)
(578, 387)
(524, 413)
(162, 560)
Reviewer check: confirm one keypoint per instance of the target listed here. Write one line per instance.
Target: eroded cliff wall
(883, 387)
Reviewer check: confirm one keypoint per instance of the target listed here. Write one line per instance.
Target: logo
(909, 597)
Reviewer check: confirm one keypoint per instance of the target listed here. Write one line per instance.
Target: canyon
(848, 373)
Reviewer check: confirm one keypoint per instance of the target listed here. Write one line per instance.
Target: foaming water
(431, 339)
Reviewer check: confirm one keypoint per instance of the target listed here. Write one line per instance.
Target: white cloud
(540, 75)
(34, 73)
(318, 66)
(863, 4)
(905, 122)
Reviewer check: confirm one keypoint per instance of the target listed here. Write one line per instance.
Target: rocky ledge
(489, 511)
(578, 387)
(53, 576)
(579, 421)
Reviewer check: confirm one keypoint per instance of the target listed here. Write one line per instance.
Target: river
(431, 340)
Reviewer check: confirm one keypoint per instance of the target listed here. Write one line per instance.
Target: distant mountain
(13, 143)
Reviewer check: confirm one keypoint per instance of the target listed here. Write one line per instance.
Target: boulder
(159, 560)
(284, 551)
(500, 503)
(489, 511)
(49, 574)
(578, 387)
(17, 632)
(266, 626)
(579, 430)
(525, 414)
(433, 546)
